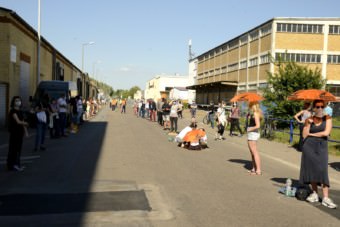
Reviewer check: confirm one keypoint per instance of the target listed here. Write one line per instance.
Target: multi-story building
(241, 64)
(18, 63)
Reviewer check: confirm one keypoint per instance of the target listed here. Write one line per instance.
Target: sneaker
(17, 168)
(327, 202)
(312, 198)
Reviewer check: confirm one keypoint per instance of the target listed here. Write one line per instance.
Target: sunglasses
(318, 107)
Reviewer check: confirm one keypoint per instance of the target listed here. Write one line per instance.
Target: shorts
(166, 117)
(254, 136)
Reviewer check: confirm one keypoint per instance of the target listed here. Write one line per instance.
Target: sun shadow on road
(246, 164)
(335, 165)
(334, 194)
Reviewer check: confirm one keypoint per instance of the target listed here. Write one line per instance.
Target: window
(333, 59)
(253, 62)
(232, 67)
(267, 29)
(244, 39)
(264, 59)
(243, 64)
(254, 35)
(300, 28)
(296, 57)
(224, 69)
(233, 44)
(334, 29)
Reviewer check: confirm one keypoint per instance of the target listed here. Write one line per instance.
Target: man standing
(193, 108)
(62, 109)
(166, 115)
(160, 103)
(152, 107)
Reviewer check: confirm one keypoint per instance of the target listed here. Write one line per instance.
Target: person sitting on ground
(192, 139)
(180, 136)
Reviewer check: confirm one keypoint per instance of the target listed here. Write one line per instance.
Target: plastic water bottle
(288, 187)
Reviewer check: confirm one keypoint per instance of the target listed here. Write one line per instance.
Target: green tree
(133, 90)
(289, 78)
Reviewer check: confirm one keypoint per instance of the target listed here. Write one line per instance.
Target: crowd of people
(315, 124)
(59, 116)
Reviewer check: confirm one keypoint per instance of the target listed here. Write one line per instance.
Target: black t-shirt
(73, 103)
(166, 109)
(13, 126)
(211, 109)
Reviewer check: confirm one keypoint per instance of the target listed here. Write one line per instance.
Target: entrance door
(24, 83)
(3, 104)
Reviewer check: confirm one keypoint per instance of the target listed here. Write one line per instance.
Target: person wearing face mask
(314, 159)
(17, 129)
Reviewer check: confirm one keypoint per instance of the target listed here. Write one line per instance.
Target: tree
(289, 78)
(133, 90)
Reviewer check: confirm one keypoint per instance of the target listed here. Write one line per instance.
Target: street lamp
(82, 54)
(94, 66)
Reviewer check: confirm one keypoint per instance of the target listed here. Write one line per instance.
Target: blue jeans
(40, 136)
(211, 119)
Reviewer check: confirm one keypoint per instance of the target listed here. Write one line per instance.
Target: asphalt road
(120, 170)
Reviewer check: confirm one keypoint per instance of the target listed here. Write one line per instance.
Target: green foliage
(121, 93)
(289, 78)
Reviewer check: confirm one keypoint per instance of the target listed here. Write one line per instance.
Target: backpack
(303, 192)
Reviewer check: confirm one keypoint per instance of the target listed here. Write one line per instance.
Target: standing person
(166, 115)
(41, 128)
(123, 106)
(193, 109)
(62, 108)
(174, 116)
(17, 128)
(147, 108)
(211, 114)
(54, 119)
(153, 108)
(221, 121)
(160, 103)
(314, 160)
(235, 119)
(301, 117)
(255, 115)
(180, 109)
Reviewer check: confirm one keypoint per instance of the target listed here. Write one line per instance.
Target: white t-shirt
(62, 105)
(221, 115)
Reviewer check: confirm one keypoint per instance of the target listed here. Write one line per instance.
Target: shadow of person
(246, 163)
(335, 165)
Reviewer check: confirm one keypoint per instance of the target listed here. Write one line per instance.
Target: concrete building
(138, 95)
(160, 86)
(18, 63)
(241, 64)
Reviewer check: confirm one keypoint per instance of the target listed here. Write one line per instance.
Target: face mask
(18, 103)
(319, 113)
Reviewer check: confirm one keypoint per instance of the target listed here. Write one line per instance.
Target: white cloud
(124, 69)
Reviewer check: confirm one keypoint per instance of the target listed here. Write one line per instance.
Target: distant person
(41, 128)
(211, 114)
(166, 115)
(180, 109)
(174, 116)
(221, 121)
(17, 129)
(329, 109)
(123, 106)
(153, 110)
(235, 120)
(255, 116)
(160, 103)
(301, 117)
(193, 109)
(62, 108)
(314, 159)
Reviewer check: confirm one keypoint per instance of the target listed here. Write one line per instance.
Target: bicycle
(268, 129)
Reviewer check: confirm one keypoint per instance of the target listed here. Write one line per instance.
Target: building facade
(18, 63)
(241, 64)
(160, 86)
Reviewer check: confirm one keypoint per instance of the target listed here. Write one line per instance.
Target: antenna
(191, 54)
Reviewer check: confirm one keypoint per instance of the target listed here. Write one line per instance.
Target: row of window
(300, 28)
(304, 58)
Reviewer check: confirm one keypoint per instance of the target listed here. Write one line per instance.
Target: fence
(269, 128)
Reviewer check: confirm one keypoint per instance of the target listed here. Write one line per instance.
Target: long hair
(255, 108)
(13, 101)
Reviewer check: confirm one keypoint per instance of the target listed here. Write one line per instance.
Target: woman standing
(301, 117)
(17, 129)
(253, 135)
(314, 160)
(221, 121)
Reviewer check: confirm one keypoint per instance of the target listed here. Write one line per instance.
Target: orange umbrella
(312, 94)
(247, 97)
(194, 135)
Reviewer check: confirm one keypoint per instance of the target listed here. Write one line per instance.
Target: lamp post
(38, 46)
(94, 67)
(82, 54)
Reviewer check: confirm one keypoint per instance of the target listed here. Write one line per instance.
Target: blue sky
(136, 40)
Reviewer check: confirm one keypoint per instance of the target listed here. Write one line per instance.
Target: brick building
(241, 64)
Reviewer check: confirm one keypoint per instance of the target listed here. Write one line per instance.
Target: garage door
(3, 106)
